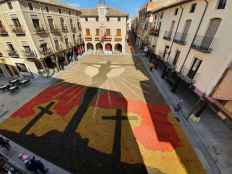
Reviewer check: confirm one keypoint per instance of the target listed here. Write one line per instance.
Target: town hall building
(104, 30)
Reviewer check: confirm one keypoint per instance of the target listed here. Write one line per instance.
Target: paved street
(103, 115)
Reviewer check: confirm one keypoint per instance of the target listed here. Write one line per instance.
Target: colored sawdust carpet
(87, 130)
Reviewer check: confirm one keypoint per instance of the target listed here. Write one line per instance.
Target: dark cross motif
(43, 111)
(116, 152)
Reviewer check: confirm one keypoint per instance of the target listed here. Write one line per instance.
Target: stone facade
(34, 33)
(104, 30)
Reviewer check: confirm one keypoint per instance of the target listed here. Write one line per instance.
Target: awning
(224, 90)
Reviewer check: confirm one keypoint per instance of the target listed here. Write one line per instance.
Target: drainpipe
(178, 24)
(164, 73)
(53, 47)
(198, 28)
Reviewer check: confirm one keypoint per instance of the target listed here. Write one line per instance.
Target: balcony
(74, 30)
(203, 44)
(88, 38)
(180, 38)
(97, 38)
(118, 38)
(29, 54)
(18, 30)
(107, 38)
(167, 35)
(45, 51)
(64, 29)
(3, 32)
(55, 31)
(154, 32)
(41, 31)
(13, 54)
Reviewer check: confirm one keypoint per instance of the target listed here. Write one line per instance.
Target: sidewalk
(9, 103)
(211, 138)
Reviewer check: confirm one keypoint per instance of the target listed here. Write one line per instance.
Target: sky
(129, 6)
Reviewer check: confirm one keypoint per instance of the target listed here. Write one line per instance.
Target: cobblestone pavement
(104, 116)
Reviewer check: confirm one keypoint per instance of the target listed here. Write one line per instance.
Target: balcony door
(36, 23)
(51, 24)
(16, 22)
(176, 57)
(211, 32)
(186, 29)
(171, 28)
(194, 68)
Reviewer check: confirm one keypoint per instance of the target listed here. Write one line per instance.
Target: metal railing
(180, 38)
(64, 29)
(55, 30)
(41, 30)
(18, 30)
(167, 35)
(45, 51)
(29, 54)
(3, 32)
(203, 44)
(13, 53)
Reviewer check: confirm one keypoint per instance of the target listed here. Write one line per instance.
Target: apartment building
(191, 44)
(104, 29)
(36, 34)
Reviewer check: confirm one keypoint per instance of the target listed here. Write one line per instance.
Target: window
(194, 68)
(107, 32)
(71, 23)
(9, 5)
(186, 29)
(66, 42)
(221, 4)
(30, 6)
(74, 38)
(36, 23)
(16, 22)
(1, 26)
(21, 67)
(161, 15)
(47, 9)
(108, 19)
(176, 11)
(97, 32)
(176, 57)
(86, 19)
(118, 32)
(59, 10)
(211, 32)
(62, 22)
(57, 44)
(193, 8)
(87, 32)
(119, 19)
(50, 22)
(10, 46)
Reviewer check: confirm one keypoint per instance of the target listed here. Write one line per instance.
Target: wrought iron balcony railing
(3, 32)
(29, 54)
(167, 35)
(180, 38)
(55, 30)
(13, 53)
(65, 29)
(18, 30)
(203, 44)
(118, 38)
(45, 51)
(41, 30)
